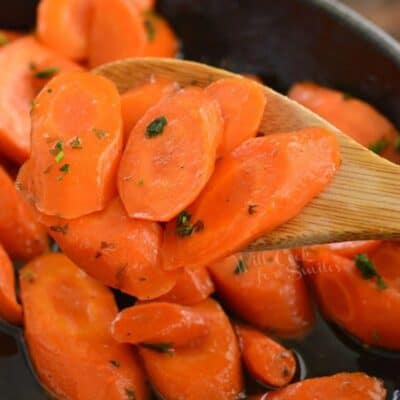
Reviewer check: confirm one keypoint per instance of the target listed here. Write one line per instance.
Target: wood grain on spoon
(362, 202)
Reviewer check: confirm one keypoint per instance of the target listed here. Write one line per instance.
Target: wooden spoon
(362, 202)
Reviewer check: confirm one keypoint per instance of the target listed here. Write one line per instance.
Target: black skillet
(283, 41)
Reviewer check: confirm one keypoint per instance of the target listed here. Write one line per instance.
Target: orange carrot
(242, 103)
(20, 232)
(161, 40)
(63, 25)
(166, 163)
(22, 64)
(254, 189)
(357, 296)
(158, 322)
(253, 77)
(10, 310)
(344, 386)
(7, 37)
(67, 319)
(75, 148)
(209, 370)
(138, 100)
(265, 289)
(193, 285)
(266, 360)
(118, 251)
(351, 249)
(352, 116)
(144, 5)
(110, 41)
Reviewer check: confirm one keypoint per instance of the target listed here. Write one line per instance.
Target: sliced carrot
(161, 39)
(10, 310)
(138, 100)
(7, 37)
(344, 386)
(265, 289)
(67, 319)
(118, 251)
(266, 360)
(352, 116)
(144, 5)
(242, 103)
(75, 148)
(193, 285)
(351, 249)
(110, 41)
(249, 194)
(209, 370)
(166, 162)
(20, 64)
(253, 77)
(159, 322)
(367, 308)
(63, 25)
(20, 232)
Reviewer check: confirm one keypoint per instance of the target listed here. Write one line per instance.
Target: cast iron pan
(283, 41)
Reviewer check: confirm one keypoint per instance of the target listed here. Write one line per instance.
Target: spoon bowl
(362, 202)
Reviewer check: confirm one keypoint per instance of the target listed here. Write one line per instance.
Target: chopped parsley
(76, 143)
(156, 127)
(166, 347)
(115, 363)
(184, 227)
(240, 267)
(58, 151)
(100, 133)
(45, 73)
(368, 270)
(130, 394)
(150, 29)
(252, 209)
(28, 275)
(397, 143)
(63, 229)
(378, 146)
(3, 39)
(64, 168)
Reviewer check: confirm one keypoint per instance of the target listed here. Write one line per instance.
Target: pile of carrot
(154, 192)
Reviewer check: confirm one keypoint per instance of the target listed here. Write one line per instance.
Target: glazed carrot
(20, 232)
(144, 5)
(138, 100)
(110, 41)
(266, 289)
(67, 318)
(266, 360)
(159, 322)
(166, 163)
(352, 116)
(242, 103)
(209, 370)
(63, 25)
(10, 310)
(351, 249)
(357, 296)
(118, 251)
(23, 64)
(161, 40)
(7, 37)
(75, 148)
(344, 386)
(253, 77)
(249, 194)
(193, 285)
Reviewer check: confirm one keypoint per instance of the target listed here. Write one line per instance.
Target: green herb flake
(115, 363)
(397, 144)
(29, 275)
(252, 209)
(184, 227)
(150, 29)
(379, 146)
(76, 143)
(156, 127)
(368, 270)
(166, 348)
(100, 133)
(347, 96)
(240, 267)
(130, 394)
(3, 39)
(64, 168)
(46, 73)
(58, 151)
(63, 229)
